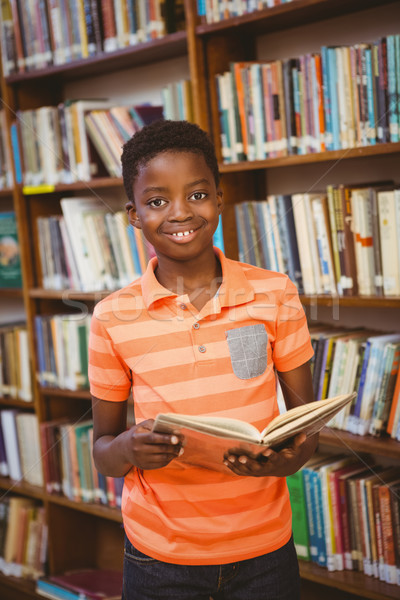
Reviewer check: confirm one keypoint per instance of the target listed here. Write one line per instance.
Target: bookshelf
(83, 534)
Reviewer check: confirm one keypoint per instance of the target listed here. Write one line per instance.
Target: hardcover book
(207, 439)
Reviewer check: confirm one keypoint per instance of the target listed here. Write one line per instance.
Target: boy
(196, 334)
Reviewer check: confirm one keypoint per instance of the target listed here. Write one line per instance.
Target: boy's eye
(198, 196)
(157, 202)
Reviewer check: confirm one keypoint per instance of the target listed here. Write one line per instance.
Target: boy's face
(177, 204)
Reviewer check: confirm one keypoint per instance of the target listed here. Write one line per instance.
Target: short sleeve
(292, 346)
(109, 376)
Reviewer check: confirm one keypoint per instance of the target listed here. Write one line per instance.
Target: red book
(96, 584)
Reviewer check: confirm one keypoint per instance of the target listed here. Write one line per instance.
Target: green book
(299, 515)
(10, 260)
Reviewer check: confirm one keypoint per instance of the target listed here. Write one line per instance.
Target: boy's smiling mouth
(183, 235)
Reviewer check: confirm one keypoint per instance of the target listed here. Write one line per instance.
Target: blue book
(397, 47)
(264, 244)
(134, 250)
(297, 110)
(311, 513)
(327, 98)
(201, 8)
(371, 125)
(51, 590)
(16, 153)
(392, 89)
(285, 216)
(336, 145)
(239, 231)
(357, 406)
(40, 348)
(316, 488)
(218, 239)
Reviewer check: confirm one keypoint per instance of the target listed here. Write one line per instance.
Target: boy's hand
(148, 450)
(269, 463)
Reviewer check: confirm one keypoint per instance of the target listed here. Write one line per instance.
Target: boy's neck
(199, 279)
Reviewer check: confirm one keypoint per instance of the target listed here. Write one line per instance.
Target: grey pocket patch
(248, 350)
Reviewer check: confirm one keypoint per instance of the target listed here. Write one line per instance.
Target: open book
(206, 439)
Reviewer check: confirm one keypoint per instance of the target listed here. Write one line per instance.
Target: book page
(223, 427)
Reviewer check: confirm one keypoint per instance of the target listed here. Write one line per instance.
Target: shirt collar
(234, 290)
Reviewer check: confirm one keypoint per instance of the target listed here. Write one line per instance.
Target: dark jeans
(273, 576)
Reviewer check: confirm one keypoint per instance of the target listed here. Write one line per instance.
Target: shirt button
(202, 348)
(196, 325)
(183, 306)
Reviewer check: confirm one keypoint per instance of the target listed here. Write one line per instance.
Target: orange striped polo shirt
(177, 359)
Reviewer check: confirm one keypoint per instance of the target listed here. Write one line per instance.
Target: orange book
(394, 406)
(321, 115)
(240, 91)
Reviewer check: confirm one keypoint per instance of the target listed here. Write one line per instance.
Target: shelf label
(29, 190)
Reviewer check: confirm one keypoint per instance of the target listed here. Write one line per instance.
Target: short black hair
(161, 136)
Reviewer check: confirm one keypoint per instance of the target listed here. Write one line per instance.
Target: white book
(9, 429)
(85, 168)
(73, 211)
(24, 366)
(275, 232)
(389, 242)
(321, 223)
(305, 252)
(30, 449)
(363, 244)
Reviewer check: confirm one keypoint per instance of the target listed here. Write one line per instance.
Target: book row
(344, 241)
(23, 537)
(54, 454)
(20, 454)
(10, 256)
(365, 362)
(40, 33)
(62, 350)
(341, 97)
(346, 516)
(79, 140)
(81, 584)
(213, 11)
(6, 177)
(89, 248)
(68, 464)
(15, 364)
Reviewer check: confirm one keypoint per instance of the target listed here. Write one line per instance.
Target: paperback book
(207, 438)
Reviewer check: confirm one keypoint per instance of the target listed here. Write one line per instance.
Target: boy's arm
(297, 389)
(116, 449)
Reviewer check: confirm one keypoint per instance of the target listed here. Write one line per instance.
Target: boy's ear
(132, 214)
(220, 200)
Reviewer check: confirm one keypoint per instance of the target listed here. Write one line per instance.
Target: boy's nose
(180, 210)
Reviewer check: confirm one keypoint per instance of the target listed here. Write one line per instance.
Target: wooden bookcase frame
(91, 535)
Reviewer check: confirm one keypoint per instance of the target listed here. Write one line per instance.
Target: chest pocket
(248, 350)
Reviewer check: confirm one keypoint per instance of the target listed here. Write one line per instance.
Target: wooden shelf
(6, 193)
(354, 301)
(53, 391)
(351, 582)
(44, 294)
(381, 446)
(170, 46)
(23, 587)
(15, 403)
(11, 293)
(22, 488)
(286, 16)
(311, 158)
(104, 512)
